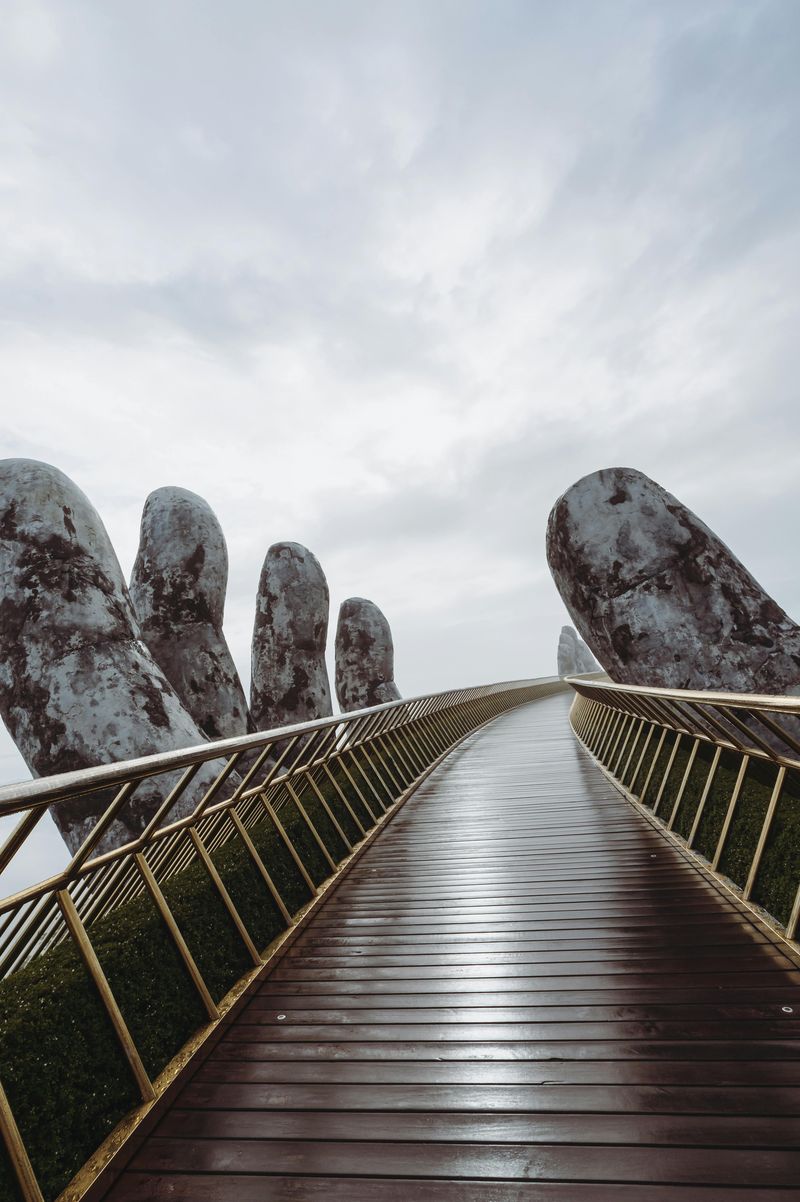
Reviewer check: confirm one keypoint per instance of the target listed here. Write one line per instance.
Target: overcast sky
(386, 278)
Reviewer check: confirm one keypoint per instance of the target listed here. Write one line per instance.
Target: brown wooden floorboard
(521, 993)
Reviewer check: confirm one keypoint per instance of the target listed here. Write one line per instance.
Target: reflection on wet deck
(520, 991)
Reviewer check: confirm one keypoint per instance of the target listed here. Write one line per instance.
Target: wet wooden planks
(521, 992)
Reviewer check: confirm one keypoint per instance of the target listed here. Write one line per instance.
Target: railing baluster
(17, 1154)
(684, 782)
(287, 784)
(368, 760)
(620, 743)
(762, 838)
(595, 724)
(397, 755)
(794, 918)
(366, 749)
(606, 731)
(87, 953)
(404, 750)
(667, 771)
(723, 835)
(329, 812)
(624, 772)
(168, 918)
(701, 805)
(629, 740)
(652, 767)
(211, 869)
(326, 769)
(650, 732)
(345, 801)
(261, 866)
(290, 847)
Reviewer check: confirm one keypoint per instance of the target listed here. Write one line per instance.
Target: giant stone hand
(78, 687)
(658, 597)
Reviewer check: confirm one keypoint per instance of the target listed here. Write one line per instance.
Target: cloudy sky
(386, 278)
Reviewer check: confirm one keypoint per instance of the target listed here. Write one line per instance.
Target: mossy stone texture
(659, 598)
(178, 587)
(78, 687)
(364, 656)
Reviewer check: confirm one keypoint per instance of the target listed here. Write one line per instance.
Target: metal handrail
(650, 741)
(66, 785)
(768, 701)
(339, 774)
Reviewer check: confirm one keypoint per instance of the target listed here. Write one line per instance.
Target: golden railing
(320, 789)
(719, 771)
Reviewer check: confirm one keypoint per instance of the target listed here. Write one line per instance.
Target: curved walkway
(521, 991)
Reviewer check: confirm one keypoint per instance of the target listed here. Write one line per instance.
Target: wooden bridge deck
(521, 991)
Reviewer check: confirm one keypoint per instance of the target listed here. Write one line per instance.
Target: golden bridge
(529, 941)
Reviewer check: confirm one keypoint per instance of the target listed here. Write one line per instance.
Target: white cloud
(30, 34)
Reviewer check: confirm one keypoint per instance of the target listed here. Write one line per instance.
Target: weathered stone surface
(574, 656)
(289, 680)
(658, 597)
(364, 656)
(77, 685)
(178, 588)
